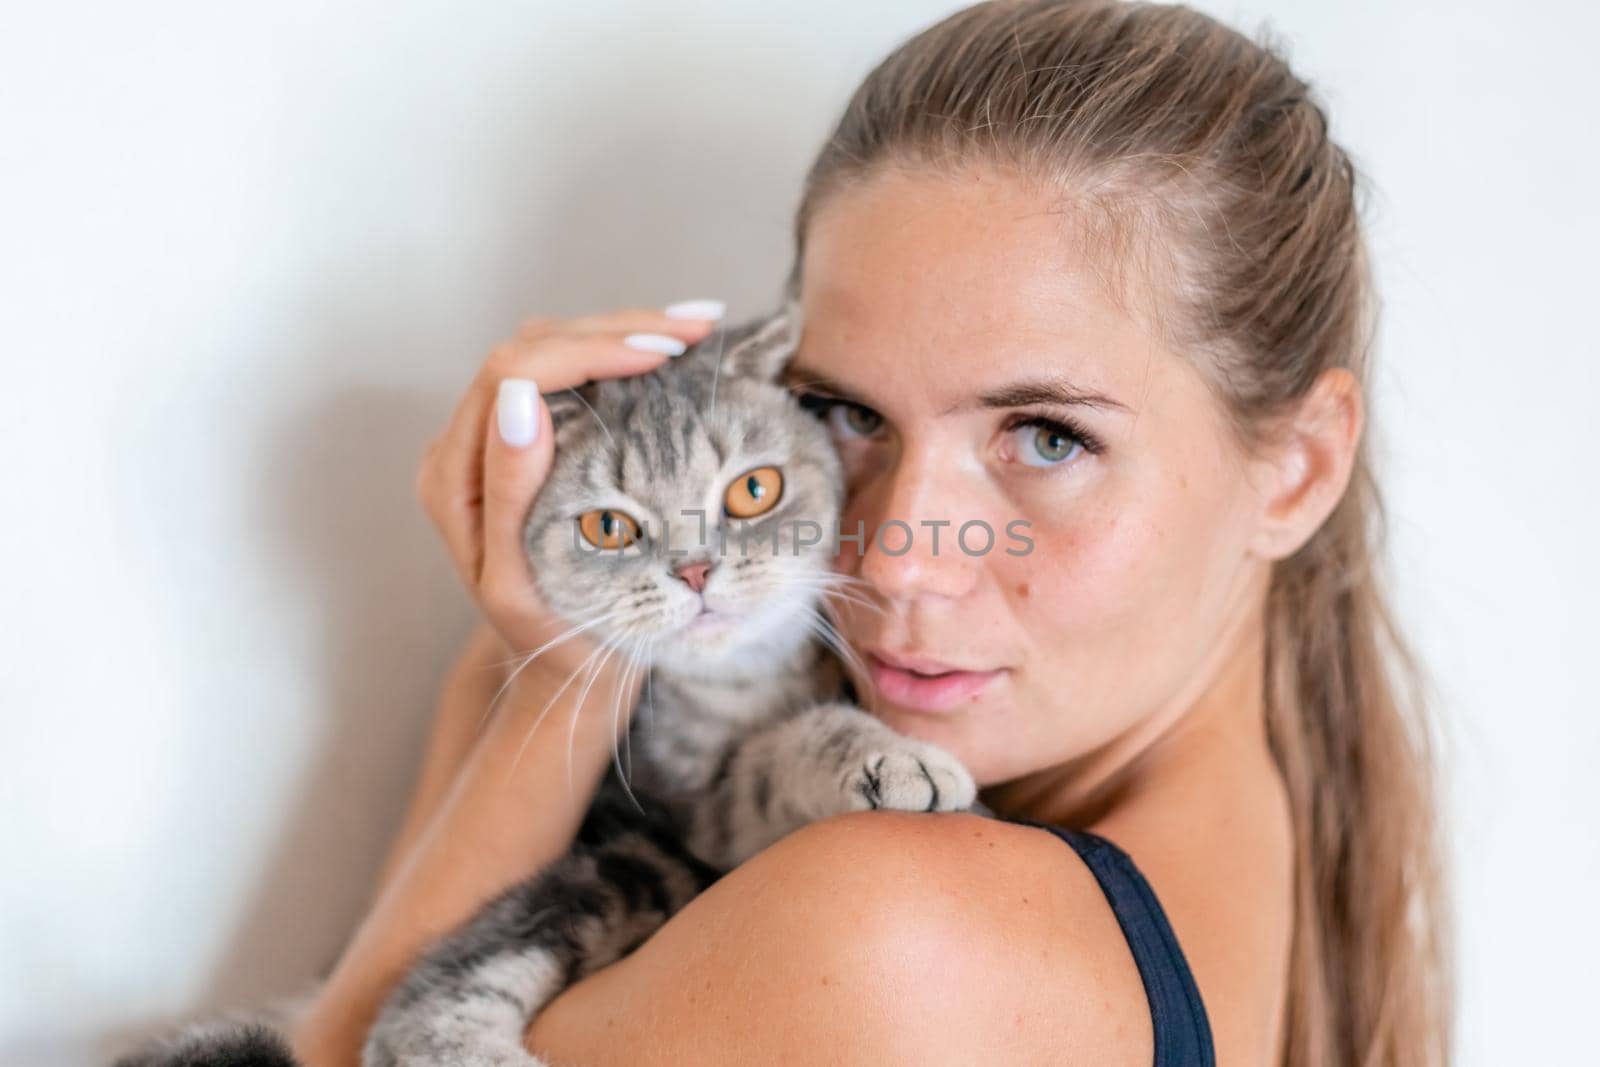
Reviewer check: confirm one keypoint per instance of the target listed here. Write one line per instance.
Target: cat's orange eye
(604, 528)
(753, 493)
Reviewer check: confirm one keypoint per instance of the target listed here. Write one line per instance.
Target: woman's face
(983, 376)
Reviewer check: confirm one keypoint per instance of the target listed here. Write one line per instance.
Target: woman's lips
(925, 685)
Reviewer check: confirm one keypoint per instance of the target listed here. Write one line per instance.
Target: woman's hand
(479, 476)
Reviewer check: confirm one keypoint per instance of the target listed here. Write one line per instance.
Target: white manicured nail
(517, 411)
(695, 309)
(655, 342)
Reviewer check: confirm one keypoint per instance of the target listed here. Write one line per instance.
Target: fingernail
(695, 309)
(517, 411)
(655, 342)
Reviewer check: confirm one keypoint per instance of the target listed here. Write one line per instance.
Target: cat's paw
(905, 775)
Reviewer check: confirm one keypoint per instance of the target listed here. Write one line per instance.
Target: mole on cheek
(1022, 591)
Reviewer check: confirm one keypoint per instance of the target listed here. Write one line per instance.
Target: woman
(1096, 267)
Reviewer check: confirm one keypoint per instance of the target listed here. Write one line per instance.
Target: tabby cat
(680, 526)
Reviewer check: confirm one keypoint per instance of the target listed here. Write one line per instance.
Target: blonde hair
(1203, 151)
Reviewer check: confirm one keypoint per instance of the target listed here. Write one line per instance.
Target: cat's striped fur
(741, 743)
(745, 732)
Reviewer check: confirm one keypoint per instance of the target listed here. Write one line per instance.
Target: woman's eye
(845, 419)
(1046, 443)
(853, 420)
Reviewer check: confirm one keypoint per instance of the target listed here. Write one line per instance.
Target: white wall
(248, 257)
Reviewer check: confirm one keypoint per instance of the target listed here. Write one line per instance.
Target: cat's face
(659, 518)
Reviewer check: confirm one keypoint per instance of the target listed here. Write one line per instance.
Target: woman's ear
(1303, 472)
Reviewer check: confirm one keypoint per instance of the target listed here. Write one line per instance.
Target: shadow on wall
(668, 197)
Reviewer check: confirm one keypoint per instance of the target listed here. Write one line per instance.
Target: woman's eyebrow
(1030, 391)
(1023, 393)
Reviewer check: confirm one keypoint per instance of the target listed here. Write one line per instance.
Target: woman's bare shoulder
(884, 937)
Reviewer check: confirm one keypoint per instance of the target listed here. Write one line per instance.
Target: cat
(686, 523)
(745, 733)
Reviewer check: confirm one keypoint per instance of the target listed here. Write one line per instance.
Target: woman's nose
(910, 548)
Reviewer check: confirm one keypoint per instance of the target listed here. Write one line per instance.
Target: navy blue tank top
(1182, 1032)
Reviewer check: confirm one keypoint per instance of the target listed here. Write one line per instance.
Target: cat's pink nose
(694, 574)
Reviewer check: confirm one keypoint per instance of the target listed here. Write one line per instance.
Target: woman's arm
(873, 938)
(507, 812)
(460, 717)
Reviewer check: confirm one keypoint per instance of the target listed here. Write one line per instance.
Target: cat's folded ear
(567, 406)
(762, 348)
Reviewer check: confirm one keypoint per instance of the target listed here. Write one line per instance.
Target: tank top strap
(1182, 1031)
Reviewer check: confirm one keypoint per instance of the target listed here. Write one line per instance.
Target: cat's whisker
(716, 372)
(581, 623)
(649, 692)
(830, 578)
(832, 627)
(823, 626)
(634, 665)
(864, 592)
(830, 575)
(538, 719)
(637, 665)
(838, 591)
(834, 640)
(860, 675)
(577, 708)
(856, 587)
(835, 592)
(536, 653)
(830, 604)
(596, 415)
(826, 592)
(580, 669)
(632, 668)
(649, 671)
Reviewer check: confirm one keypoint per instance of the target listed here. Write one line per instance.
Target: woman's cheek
(1099, 595)
(1085, 572)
